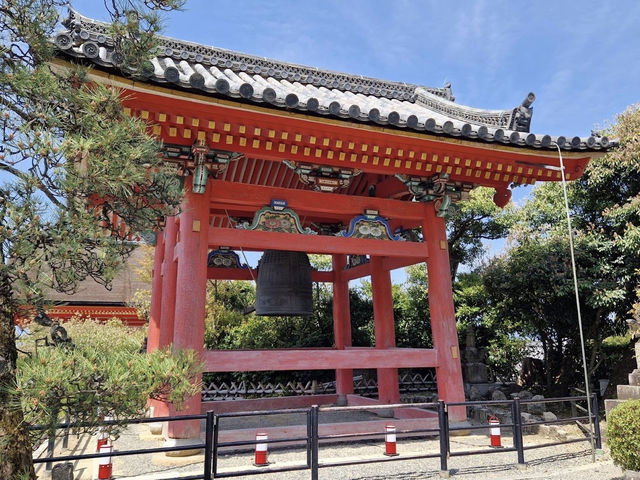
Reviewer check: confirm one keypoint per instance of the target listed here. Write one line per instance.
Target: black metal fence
(312, 440)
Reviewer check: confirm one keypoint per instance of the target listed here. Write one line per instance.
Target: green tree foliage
(495, 335)
(531, 284)
(471, 223)
(101, 373)
(618, 175)
(72, 162)
(411, 309)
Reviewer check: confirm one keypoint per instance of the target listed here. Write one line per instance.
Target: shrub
(102, 373)
(623, 432)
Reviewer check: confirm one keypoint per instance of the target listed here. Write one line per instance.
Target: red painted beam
(317, 359)
(306, 202)
(393, 263)
(388, 264)
(253, 239)
(356, 272)
(258, 122)
(247, 274)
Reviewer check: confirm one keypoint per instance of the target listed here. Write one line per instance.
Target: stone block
(498, 395)
(610, 404)
(634, 377)
(535, 408)
(155, 428)
(479, 414)
(62, 471)
(631, 475)
(182, 442)
(474, 394)
(549, 417)
(476, 373)
(628, 392)
(525, 395)
(385, 412)
(526, 418)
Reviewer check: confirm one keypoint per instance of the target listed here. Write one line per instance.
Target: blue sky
(581, 59)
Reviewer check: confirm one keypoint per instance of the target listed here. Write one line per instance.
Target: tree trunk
(15, 446)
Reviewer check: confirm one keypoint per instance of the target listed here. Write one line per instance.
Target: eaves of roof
(293, 87)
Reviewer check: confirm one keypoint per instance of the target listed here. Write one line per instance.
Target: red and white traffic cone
(103, 438)
(494, 431)
(390, 441)
(105, 467)
(260, 459)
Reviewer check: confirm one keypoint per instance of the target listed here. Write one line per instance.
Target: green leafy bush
(103, 372)
(623, 432)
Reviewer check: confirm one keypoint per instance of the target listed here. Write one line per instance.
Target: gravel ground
(566, 462)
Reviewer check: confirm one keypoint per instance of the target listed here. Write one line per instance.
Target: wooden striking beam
(258, 240)
(356, 272)
(393, 263)
(304, 202)
(388, 264)
(317, 359)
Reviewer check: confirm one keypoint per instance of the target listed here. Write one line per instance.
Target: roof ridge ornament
(518, 117)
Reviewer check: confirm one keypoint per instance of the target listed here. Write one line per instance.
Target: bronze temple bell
(283, 287)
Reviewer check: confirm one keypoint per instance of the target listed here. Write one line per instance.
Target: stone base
(182, 442)
(460, 433)
(610, 404)
(631, 475)
(384, 412)
(155, 428)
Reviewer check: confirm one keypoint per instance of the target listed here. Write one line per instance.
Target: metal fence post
(444, 438)
(51, 442)
(314, 442)
(216, 431)
(309, 437)
(596, 421)
(517, 430)
(208, 442)
(65, 440)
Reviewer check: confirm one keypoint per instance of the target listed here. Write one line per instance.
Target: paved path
(564, 462)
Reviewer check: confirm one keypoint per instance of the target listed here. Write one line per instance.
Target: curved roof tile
(285, 85)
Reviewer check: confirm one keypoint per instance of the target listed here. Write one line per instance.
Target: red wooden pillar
(164, 285)
(153, 334)
(443, 320)
(191, 282)
(341, 325)
(169, 268)
(385, 335)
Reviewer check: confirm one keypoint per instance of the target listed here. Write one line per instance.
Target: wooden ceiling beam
(306, 202)
(325, 244)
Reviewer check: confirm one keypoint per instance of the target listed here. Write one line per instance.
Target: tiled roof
(294, 87)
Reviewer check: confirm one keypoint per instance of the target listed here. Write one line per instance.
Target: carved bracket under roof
(276, 218)
(356, 260)
(323, 178)
(437, 189)
(370, 225)
(201, 161)
(224, 257)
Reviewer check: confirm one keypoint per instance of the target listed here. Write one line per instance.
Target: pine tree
(73, 166)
